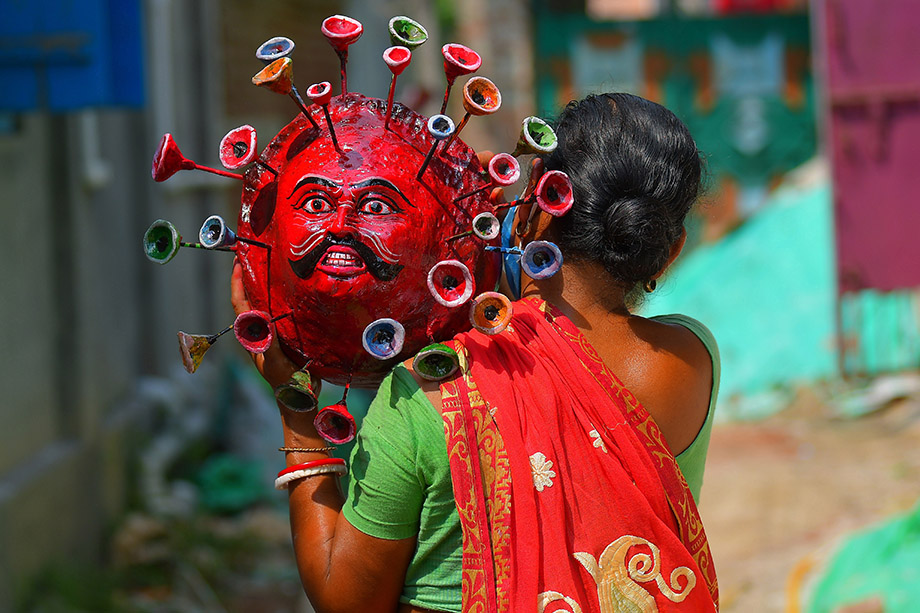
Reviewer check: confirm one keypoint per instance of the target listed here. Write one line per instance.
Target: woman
(557, 440)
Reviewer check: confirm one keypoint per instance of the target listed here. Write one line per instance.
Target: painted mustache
(380, 269)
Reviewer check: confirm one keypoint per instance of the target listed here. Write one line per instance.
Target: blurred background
(128, 485)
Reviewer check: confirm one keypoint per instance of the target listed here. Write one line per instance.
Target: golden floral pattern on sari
(618, 576)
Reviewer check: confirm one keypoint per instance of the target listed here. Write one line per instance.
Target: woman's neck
(583, 291)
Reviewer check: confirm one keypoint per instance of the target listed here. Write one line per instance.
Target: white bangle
(283, 481)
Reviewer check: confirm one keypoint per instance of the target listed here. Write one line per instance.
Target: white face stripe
(385, 254)
(311, 241)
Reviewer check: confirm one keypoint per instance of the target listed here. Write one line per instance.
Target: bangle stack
(309, 469)
(306, 449)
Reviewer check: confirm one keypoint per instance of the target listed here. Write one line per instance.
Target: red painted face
(354, 235)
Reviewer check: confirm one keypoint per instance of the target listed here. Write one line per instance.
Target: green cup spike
(436, 362)
(537, 137)
(406, 32)
(298, 394)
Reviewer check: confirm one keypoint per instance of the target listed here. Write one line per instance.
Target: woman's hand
(273, 365)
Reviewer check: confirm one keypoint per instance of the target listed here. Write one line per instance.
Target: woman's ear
(675, 251)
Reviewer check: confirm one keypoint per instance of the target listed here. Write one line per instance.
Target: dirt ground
(779, 494)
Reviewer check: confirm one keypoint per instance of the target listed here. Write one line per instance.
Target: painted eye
(316, 205)
(376, 207)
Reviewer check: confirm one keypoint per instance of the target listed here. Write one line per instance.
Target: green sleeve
(692, 460)
(385, 493)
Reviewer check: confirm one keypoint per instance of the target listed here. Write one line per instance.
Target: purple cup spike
(541, 259)
(168, 160)
(279, 78)
(480, 97)
(238, 147)
(275, 48)
(396, 58)
(554, 193)
(440, 127)
(458, 60)
(406, 32)
(320, 94)
(341, 32)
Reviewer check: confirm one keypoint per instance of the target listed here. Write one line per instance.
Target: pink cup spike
(504, 170)
(279, 78)
(341, 32)
(335, 424)
(396, 58)
(554, 193)
(238, 147)
(320, 94)
(458, 60)
(450, 283)
(254, 331)
(480, 97)
(168, 160)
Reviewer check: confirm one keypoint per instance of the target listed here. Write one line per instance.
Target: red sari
(568, 495)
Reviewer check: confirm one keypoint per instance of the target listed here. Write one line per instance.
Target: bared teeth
(338, 258)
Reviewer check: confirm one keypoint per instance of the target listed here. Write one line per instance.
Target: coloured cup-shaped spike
(277, 76)
(384, 338)
(341, 31)
(504, 169)
(297, 394)
(275, 48)
(397, 58)
(192, 347)
(486, 226)
(214, 233)
(537, 137)
(238, 147)
(481, 96)
(554, 193)
(436, 362)
(450, 283)
(335, 424)
(459, 60)
(161, 241)
(406, 32)
(490, 312)
(440, 127)
(254, 331)
(320, 93)
(168, 159)
(541, 259)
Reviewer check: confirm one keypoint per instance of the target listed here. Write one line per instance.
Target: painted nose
(340, 223)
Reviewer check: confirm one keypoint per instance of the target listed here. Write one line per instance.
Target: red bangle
(323, 462)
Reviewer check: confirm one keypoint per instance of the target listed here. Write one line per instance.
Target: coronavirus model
(366, 231)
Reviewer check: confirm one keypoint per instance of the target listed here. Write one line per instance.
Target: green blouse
(400, 483)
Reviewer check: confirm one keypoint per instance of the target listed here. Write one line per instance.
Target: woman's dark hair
(636, 173)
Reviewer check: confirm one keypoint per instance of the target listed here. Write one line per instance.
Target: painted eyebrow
(317, 181)
(378, 182)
